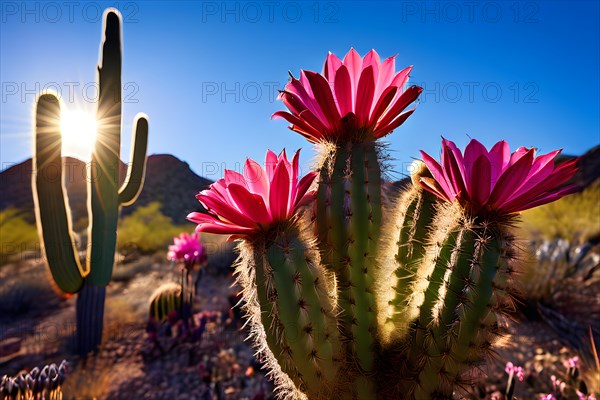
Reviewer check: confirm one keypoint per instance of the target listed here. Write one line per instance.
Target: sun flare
(78, 133)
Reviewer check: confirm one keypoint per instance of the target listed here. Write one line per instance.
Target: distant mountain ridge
(171, 182)
(589, 167)
(168, 180)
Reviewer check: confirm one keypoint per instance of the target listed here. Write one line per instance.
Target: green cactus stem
(348, 224)
(164, 300)
(414, 214)
(52, 212)
(104, 195)
(297, 312)
(458, 318)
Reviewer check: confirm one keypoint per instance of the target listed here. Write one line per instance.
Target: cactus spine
(104, 195)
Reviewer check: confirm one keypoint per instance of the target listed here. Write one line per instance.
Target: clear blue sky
(207, 73)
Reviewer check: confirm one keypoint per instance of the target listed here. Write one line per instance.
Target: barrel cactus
(165, 300)
(350, 293)
(105, 196)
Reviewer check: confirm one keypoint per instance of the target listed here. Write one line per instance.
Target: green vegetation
(575, 217)
(17, 235)
(148, 230)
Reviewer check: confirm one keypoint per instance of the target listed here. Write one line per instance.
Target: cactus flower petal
(497, 181)
(278, 199)
(255, 177)
(214, 225)
(479, 188)
(354, 99)
(243, 205)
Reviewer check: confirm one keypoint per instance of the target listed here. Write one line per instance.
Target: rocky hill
(168, 180)
(171, 182)
(589, 167)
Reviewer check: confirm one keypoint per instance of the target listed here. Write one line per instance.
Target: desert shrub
(89, 381)
(17, 235)
(148, 230)
(575, 217)
(560, 283)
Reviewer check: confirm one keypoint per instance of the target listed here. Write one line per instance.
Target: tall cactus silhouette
(361, 295)
(105, 197)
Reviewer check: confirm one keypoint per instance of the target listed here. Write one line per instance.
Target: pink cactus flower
(516, 370)
(243, 205)
(353, 99)
(187, 249)
(582, 396)
(572, 362)
(548, 397)
(497, 181)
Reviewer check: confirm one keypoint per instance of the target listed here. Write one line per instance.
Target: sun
(78, 133)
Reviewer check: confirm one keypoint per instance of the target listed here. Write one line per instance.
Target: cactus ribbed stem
(90, 315)
(276, 340)
(360, 260)
(136, 171)
(479, 295)
(296, 311)
(462, 315)
(416, 213)
(103, 188)
(52, 211)
(165, 299)
(433, 378)
(332, 210)
(348, 224)
(417, 351)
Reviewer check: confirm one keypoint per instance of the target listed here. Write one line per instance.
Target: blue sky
(207, 73)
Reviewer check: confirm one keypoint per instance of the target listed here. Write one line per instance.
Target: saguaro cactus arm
(136, 171)
(52, 212)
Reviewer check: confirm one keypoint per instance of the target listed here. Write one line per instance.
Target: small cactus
(105, 197)
(165, 300)
(358, 296)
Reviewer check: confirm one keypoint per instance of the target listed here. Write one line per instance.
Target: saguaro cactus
(104, 195)
(363, 296)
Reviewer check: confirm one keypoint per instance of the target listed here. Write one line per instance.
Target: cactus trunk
(90, 316)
